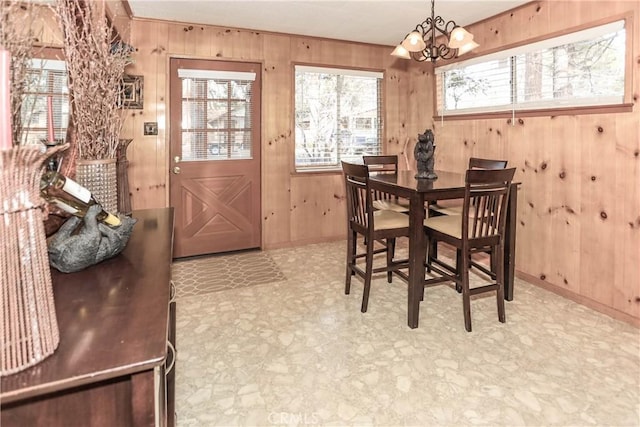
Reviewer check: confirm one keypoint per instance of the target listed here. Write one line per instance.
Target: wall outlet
(150, 128)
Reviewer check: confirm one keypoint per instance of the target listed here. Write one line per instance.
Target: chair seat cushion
(387, 220)
(446, 224)
(452, 226)
(387, 205)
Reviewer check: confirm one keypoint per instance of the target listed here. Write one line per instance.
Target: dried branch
(95, 63)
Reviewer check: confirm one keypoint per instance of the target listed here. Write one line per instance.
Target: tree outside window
(330, 105)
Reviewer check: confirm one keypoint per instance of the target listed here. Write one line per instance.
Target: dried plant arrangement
(95, 64)
(18, 36)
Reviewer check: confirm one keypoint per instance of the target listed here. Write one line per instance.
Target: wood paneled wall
(579, 205)
(297, 208)
(579, 210)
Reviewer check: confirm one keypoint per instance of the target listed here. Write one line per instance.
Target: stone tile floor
(296, 351)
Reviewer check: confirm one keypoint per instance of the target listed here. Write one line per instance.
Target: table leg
(417, 253)
(510, 243)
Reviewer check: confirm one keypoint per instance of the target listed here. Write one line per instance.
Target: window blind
(45, 78)
(337, 116)
(216, 114)
(582, 68)
(186, 73)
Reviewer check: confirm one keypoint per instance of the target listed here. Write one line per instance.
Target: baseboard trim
(580, 299)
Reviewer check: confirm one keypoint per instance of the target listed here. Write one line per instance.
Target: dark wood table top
(112, 317)
(447, 185)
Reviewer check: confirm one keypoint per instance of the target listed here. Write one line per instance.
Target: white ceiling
(384, 22)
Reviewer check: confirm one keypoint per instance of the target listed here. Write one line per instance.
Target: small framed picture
(131, 95)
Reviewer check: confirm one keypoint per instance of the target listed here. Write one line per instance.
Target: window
(364, 122)
(216, 114)
(584, 68)
(45, 78)
(337, 116)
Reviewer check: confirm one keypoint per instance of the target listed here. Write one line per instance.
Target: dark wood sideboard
(114, 365)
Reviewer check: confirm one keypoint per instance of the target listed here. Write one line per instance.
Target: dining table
(448, 185)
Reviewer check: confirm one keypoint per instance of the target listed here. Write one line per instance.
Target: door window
(216, 115)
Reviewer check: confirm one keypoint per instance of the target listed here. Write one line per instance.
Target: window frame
(228, 131)
(625, 106)
(44, 54)
(297, 170)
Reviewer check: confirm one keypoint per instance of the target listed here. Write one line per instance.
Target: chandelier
(422, 44)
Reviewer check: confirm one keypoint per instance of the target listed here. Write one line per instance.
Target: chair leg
(493, 262)
(427, 260)
(432, 253)
(391, 250)
(458, 265)
(367, 275)
(500, 281)
(351, 259)
(463, 271)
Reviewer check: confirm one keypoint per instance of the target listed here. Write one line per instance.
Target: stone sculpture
(424, 154)
(82, 242)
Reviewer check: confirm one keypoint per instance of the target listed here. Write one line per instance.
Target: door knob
(176, 170)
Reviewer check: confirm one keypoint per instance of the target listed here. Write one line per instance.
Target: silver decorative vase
(100, 177)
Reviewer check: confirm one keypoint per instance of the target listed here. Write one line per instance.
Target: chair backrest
(381, 163)
(485, 202)
(384, 164)
(359, 202)
(478, 163)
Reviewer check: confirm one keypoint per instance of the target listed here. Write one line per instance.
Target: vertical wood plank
(278, 140)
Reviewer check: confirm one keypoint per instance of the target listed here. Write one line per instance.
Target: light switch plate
(150, 128)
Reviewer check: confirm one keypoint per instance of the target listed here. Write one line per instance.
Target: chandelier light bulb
(414, 42)
(459, 37)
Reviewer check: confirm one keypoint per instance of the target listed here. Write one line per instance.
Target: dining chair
(377, 226)
(382, 200)
(481, 227)
(454, 206)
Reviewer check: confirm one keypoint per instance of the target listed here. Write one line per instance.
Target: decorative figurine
(71, 250)
(423, 153)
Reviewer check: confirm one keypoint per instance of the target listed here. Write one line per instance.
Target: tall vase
(100, 177)
(124, 196)
(28, 328)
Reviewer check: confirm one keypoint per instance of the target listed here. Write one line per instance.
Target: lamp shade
(414, 42)
(467, 47)
(401, 52)
(459, 37)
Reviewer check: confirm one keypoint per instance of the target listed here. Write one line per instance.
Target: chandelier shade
(413, 42)
(434, 39)
(401, 52)
(459, 37)
(467, 47)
